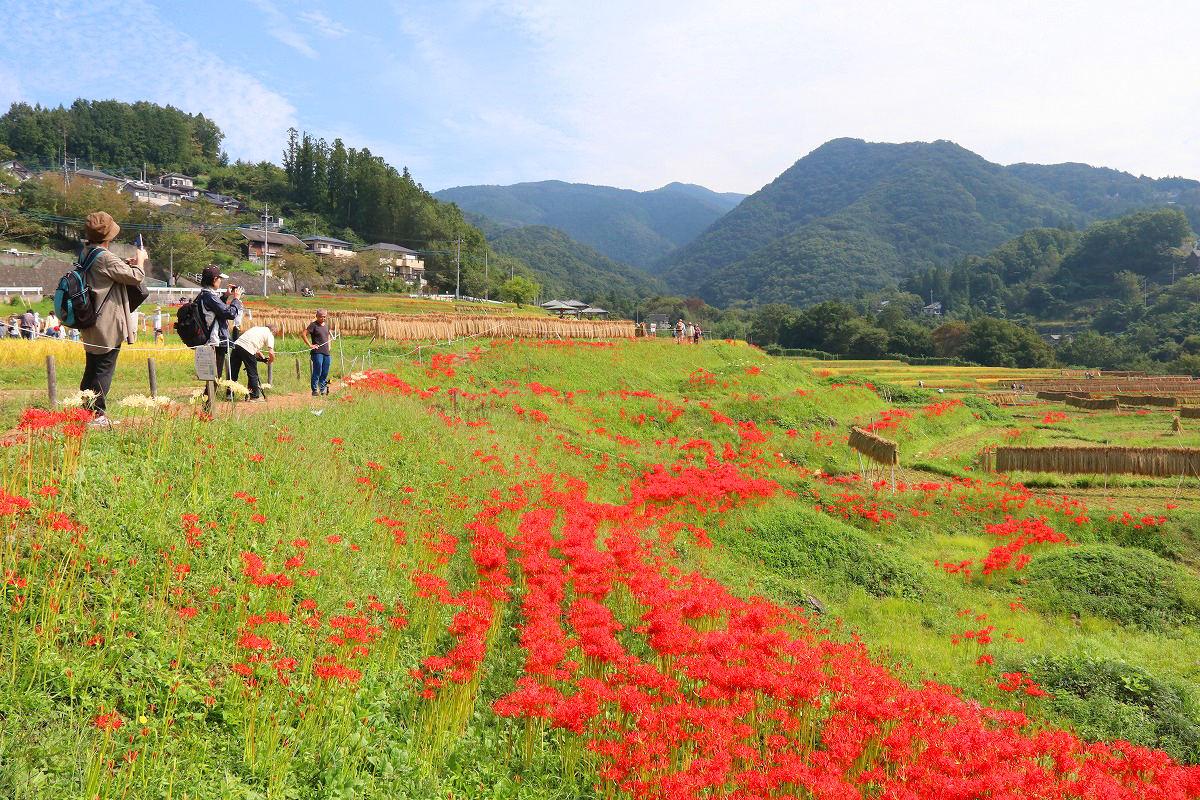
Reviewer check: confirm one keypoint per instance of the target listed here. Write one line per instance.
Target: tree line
(125, 136)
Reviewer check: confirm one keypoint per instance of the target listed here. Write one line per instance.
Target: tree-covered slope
(635, 227)
(1104, 193)
(567, 268)
(906, 207)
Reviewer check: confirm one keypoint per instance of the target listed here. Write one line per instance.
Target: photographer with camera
(217, 313)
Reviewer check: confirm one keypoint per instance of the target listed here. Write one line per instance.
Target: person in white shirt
(247, 351)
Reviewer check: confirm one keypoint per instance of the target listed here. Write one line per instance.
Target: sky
(726, 94)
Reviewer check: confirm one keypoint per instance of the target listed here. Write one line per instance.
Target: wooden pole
(210, 396)
(271, 372)
(342, 356)
(153, 377)
(51, 382)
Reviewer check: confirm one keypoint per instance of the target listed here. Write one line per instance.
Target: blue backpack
(74, 301)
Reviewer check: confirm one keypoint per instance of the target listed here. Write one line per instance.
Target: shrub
(1106, 699)
(805, 542)
(1129, 586)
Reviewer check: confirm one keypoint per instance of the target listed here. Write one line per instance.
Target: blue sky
(726, 94)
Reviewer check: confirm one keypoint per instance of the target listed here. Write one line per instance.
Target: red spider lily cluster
(660, 681)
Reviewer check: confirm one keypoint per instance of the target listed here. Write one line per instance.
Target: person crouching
(254, 345)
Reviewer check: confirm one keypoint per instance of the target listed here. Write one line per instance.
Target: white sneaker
(103, 421)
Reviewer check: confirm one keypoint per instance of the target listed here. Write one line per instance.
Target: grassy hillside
(568, 569)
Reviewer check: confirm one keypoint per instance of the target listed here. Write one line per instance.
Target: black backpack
(74, 300)
(189, 323)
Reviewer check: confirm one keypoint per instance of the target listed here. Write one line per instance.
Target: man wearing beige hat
(108, 277)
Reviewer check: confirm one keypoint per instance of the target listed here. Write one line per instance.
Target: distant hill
(637, 228)
(568, 269)
(853, 215)
(857, 216)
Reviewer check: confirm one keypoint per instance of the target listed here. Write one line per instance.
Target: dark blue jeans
(320, 370)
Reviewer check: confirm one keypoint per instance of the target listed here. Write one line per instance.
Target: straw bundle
(397, 327)
(1093, 404)
(1189, 412)
(876, 448)
(1057, 397)
(1002, 398)
(1153, 461)
(1161, 401)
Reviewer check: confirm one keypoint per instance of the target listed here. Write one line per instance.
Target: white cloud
(162, 65)
(280, 27)
(729, 95)
(324, 24)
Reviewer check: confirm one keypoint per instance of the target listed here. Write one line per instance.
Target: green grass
(1125, 667)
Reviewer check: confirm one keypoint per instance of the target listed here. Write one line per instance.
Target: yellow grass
(23, 353)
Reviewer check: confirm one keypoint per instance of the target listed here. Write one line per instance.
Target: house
(18, 169)
(933, 309)
(99, 178)
(399, 262)
(153, 193)
(327, 246)
(1193, 257)
(230, 205)
(176, 180)
(252, 248)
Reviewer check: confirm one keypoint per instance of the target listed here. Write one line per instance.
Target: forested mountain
(637, 228)
(853, 216)
(568, 269)
(1104, 193)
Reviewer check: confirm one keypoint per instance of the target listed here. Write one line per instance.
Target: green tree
(1000, 343)
(519, 290)
(770, 322)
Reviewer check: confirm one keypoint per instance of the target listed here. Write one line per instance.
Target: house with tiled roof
(256, 240)
(399, 262)
(328, 246)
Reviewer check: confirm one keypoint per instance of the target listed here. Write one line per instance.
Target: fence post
(51, 382)
(153, 377)
(271, 372)
(297, 367)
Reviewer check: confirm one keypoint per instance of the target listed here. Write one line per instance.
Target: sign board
(206, 363)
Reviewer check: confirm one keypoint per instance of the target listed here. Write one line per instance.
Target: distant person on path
(689, 332)
(678, 331)
(216, 313)
(247, 351)
(697, 334)
(107, 276)
(28, 324)
(317, 336)
(159, 319)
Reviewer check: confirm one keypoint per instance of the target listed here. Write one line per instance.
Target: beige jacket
(107, 276)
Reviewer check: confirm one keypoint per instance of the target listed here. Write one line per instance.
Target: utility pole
(457, 266)
(487, 286)
(171, 269)
(266, 216)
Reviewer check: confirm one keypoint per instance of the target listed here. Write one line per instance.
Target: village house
(276, 243)
(153, 193)
(18, 169)
(399, 262)
(327, 246)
